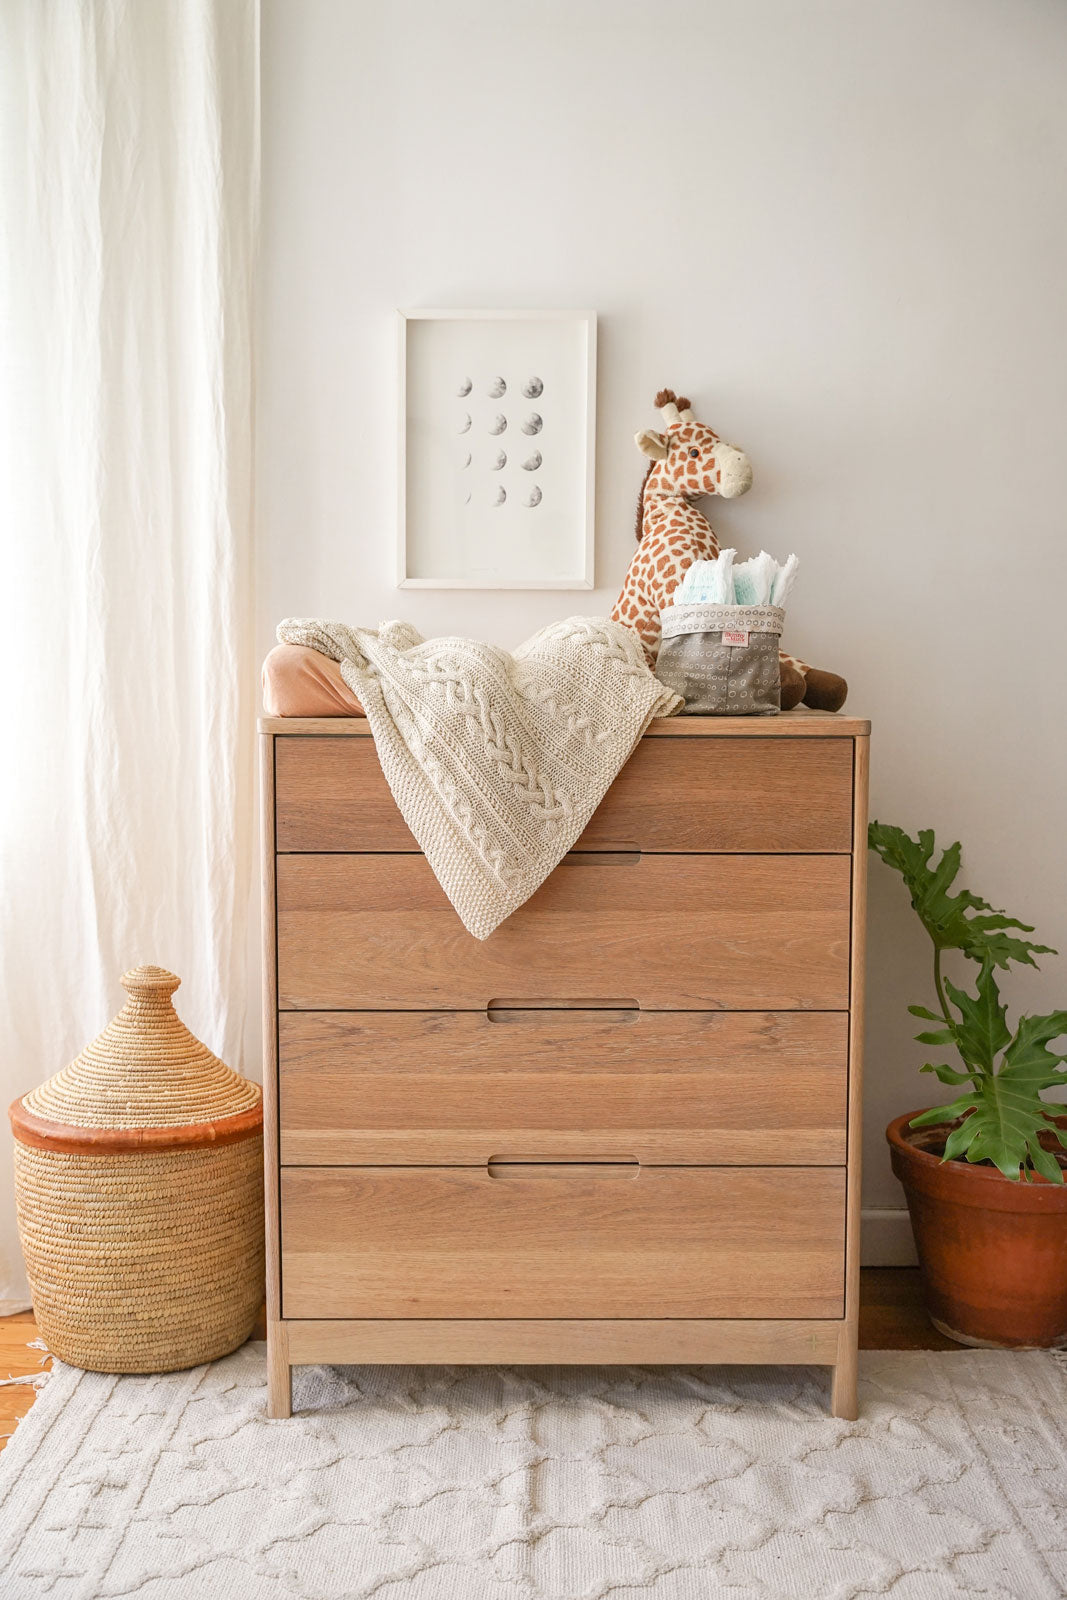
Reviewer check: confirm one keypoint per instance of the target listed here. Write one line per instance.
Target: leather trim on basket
(46, 1135)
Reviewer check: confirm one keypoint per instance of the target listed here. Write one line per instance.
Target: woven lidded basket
(139, 1187)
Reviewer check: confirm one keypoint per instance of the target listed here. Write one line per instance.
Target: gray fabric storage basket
(714, 676)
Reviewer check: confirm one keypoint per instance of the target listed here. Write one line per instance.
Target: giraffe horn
(669, 413)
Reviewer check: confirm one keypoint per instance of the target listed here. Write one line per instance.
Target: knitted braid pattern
(496, 760)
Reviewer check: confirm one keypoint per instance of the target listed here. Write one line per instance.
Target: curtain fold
(129, 155)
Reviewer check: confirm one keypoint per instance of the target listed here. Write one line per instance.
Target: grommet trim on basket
(44, 1134)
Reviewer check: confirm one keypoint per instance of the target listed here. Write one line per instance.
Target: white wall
(840, 227)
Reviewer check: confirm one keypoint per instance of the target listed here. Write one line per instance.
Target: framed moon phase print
(497, 427)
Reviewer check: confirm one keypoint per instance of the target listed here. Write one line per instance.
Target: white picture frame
(497, 447)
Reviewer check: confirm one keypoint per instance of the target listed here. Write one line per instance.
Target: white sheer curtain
(128, 194)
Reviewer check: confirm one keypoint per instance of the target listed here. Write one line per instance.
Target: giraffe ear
(651, 444)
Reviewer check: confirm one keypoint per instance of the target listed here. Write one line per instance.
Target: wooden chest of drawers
(625, 1128)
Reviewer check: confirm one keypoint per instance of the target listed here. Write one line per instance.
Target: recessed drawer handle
(542, 1167)
(526, 1010)
(616, 856)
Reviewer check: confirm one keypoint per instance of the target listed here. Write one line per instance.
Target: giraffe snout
(735, 472)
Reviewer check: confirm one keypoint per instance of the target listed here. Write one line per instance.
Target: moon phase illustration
(534, 496)
(500, 460)
(497, 388)
(532, 463)
(464, 461)
(465, 425)
(533, 423)
(465, 387)
(532, 388)
(499, 423)
(500, 496)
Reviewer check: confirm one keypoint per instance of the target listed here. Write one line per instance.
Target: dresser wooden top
(788, 724)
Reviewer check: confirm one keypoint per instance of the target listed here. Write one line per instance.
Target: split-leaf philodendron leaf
(952, 920)
(1001, 1114)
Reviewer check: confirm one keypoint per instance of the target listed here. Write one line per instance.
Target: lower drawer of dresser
(575, 1240)
(454, 1088)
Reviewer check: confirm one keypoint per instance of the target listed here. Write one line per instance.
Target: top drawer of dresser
(698, 794)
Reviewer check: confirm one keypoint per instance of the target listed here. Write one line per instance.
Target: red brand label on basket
(735, 636)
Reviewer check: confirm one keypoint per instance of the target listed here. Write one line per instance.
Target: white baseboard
(886, 1238)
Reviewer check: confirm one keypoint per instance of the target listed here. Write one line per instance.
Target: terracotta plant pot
(993, 1253)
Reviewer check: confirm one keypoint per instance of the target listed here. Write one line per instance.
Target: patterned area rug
(562, 1483)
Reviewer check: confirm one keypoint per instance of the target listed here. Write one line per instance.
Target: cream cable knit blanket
(497, 761)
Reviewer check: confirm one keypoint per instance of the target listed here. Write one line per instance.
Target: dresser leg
(279, 1372)
(843, 1400)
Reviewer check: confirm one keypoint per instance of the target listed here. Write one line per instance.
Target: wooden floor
(891, 1318)
(16, 1361)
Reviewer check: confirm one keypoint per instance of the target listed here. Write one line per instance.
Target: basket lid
(146, 1070)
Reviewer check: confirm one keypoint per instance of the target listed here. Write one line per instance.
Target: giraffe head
(688, 458)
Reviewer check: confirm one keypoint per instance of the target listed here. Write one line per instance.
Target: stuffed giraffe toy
(689, 460)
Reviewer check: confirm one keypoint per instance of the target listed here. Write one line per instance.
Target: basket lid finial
(145, 982)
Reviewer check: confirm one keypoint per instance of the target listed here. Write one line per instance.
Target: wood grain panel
(732, 933)
(332, 795)
(573, 1341)
(693, 794)
(270, 1022)
(453, 1087)
(729, 795)
(455, 1242)
(844, 1397)
(279, 1388)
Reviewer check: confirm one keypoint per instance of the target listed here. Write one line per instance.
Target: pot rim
(965, 1179)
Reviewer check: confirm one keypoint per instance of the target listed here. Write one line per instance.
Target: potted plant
(983, 1175)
